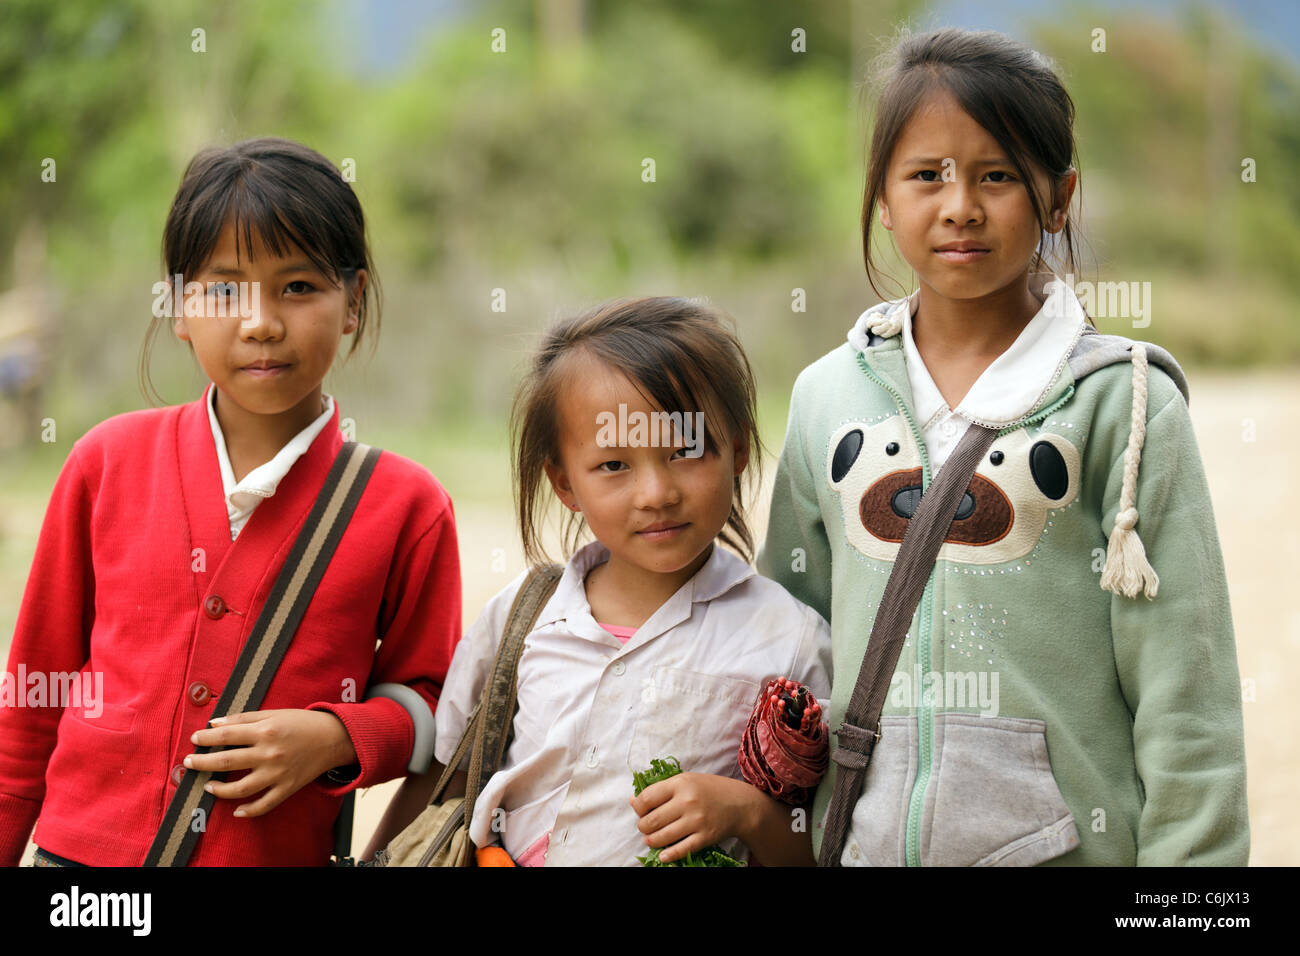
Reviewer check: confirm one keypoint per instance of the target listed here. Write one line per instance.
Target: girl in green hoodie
(1056, 700)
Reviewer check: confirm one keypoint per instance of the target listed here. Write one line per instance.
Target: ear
(354, 302)
(559, 479)
(1061, 200)
(181, 330)
(884, 215)
(740, 453)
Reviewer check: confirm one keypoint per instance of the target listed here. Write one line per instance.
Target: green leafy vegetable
(710, 855)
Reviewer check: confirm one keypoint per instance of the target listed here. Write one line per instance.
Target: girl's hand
(284, 750)
(691, 811)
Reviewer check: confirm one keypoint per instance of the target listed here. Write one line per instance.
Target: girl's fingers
(653, 796)
(241, 758)
(265, 804)
(245, 786)
(657, 819)
(670, 833)
(246, 718)
(679, 850)
(226, 735)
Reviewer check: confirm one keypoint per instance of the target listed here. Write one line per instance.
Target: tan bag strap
(269, 640)
(489, 728)
(925, 534)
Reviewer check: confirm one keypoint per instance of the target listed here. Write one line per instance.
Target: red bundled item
(786, 747)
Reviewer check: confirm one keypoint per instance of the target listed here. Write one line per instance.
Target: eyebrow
(937, 161)
(298, 265)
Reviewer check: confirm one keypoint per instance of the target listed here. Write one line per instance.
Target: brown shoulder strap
(925, 534)
(266, 646)
(488, 730)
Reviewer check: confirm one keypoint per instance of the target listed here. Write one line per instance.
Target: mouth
(264, 368)
(961, 252)
(663, 531)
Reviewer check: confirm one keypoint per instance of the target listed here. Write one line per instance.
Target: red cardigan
(132, 558)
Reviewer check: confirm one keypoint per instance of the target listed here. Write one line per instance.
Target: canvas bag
(439, 836)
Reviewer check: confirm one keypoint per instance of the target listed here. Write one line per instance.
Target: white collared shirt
(243, 497)
(593, 710)
(1013, 384)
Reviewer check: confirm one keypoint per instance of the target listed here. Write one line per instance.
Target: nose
(259, 322)
(961, 204)
(656, 489)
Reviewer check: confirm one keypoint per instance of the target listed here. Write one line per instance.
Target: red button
(214, 607)
(199, 693)
(177, 773)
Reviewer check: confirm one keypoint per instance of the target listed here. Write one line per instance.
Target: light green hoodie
(1034, 716)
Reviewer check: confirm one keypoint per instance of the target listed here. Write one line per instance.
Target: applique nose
(984, 515)
(907, 500)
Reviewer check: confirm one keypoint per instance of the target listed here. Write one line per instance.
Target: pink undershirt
(535, 855)
(624, 634)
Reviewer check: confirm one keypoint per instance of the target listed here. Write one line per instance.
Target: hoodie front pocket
(994, 800)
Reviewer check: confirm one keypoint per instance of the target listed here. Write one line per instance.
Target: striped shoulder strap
(265, 648)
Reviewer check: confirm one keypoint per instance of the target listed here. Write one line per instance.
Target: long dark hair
(682, 356)
(1006, 87)
(286, 194)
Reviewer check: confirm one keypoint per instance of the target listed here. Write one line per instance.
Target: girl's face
(652, 507)
(948, 183)
(273, 361)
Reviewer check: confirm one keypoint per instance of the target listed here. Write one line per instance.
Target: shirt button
(199, 693)
(592, 759)
(948, 428)
(853, 851)
(214, 607)
(177, 773)
(619, 668)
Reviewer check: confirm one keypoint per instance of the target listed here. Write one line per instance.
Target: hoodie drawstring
(1127, 570)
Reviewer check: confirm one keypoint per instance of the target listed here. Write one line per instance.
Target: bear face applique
(876, 470)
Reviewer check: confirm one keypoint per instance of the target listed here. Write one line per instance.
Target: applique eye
(891, 448)
(1048, 468)
(846, 453)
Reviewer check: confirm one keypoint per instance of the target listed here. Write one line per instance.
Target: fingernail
(217, 720)
(194, 738)
(188, 762)
(207, 787)
(240, 813)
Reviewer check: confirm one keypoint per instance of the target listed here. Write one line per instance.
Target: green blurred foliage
(522, 171)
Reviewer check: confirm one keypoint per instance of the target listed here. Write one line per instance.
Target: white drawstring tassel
(1127, 570)
(889, 324)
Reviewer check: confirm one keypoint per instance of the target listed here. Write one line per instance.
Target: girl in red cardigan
(166, 530)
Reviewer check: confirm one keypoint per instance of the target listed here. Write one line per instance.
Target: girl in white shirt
(656, 641)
